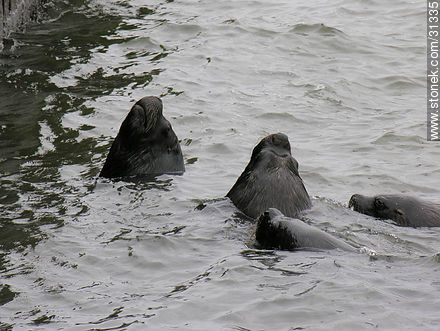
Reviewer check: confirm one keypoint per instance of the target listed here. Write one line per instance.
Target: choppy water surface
(343, 79)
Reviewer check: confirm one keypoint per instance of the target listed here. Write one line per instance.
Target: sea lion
(276, 231)
(404, 210)
(271, 179)
(145, 145)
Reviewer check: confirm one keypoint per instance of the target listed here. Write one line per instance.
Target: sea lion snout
(353, 200)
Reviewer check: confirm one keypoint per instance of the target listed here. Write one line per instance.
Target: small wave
(143, 43)
(284, 116)
(191, 30)
(319, 28)
(397, 82)
(390, 137)
(145, 11)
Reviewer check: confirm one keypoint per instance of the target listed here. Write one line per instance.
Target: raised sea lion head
(270, 180)
(145, 145)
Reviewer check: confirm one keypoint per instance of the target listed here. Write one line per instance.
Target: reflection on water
(34, 142)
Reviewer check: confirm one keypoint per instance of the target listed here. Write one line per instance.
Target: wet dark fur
(145, 145)
(271, 179)
(404, 210)
(276, 231)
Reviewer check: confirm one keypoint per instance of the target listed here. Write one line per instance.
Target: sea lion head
(270, 180)
(145, 145)
(271, 233)
(380, 206)
(277, 143)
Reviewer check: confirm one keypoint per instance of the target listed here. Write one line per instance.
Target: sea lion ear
(401, 218)
(400, 212)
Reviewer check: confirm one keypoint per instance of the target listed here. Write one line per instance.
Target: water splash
(14, 14)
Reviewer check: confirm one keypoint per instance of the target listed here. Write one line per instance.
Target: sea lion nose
(281, 141)
(353, 200)
(166, 129)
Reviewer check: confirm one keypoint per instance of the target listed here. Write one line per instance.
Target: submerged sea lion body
(404, 210)
(145, 145)
(270, 180)
(276, 231)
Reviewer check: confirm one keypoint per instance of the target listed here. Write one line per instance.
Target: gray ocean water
(345, 80)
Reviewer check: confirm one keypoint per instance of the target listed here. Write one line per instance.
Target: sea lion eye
(378, 203)
(166, 130)
(295, 163)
